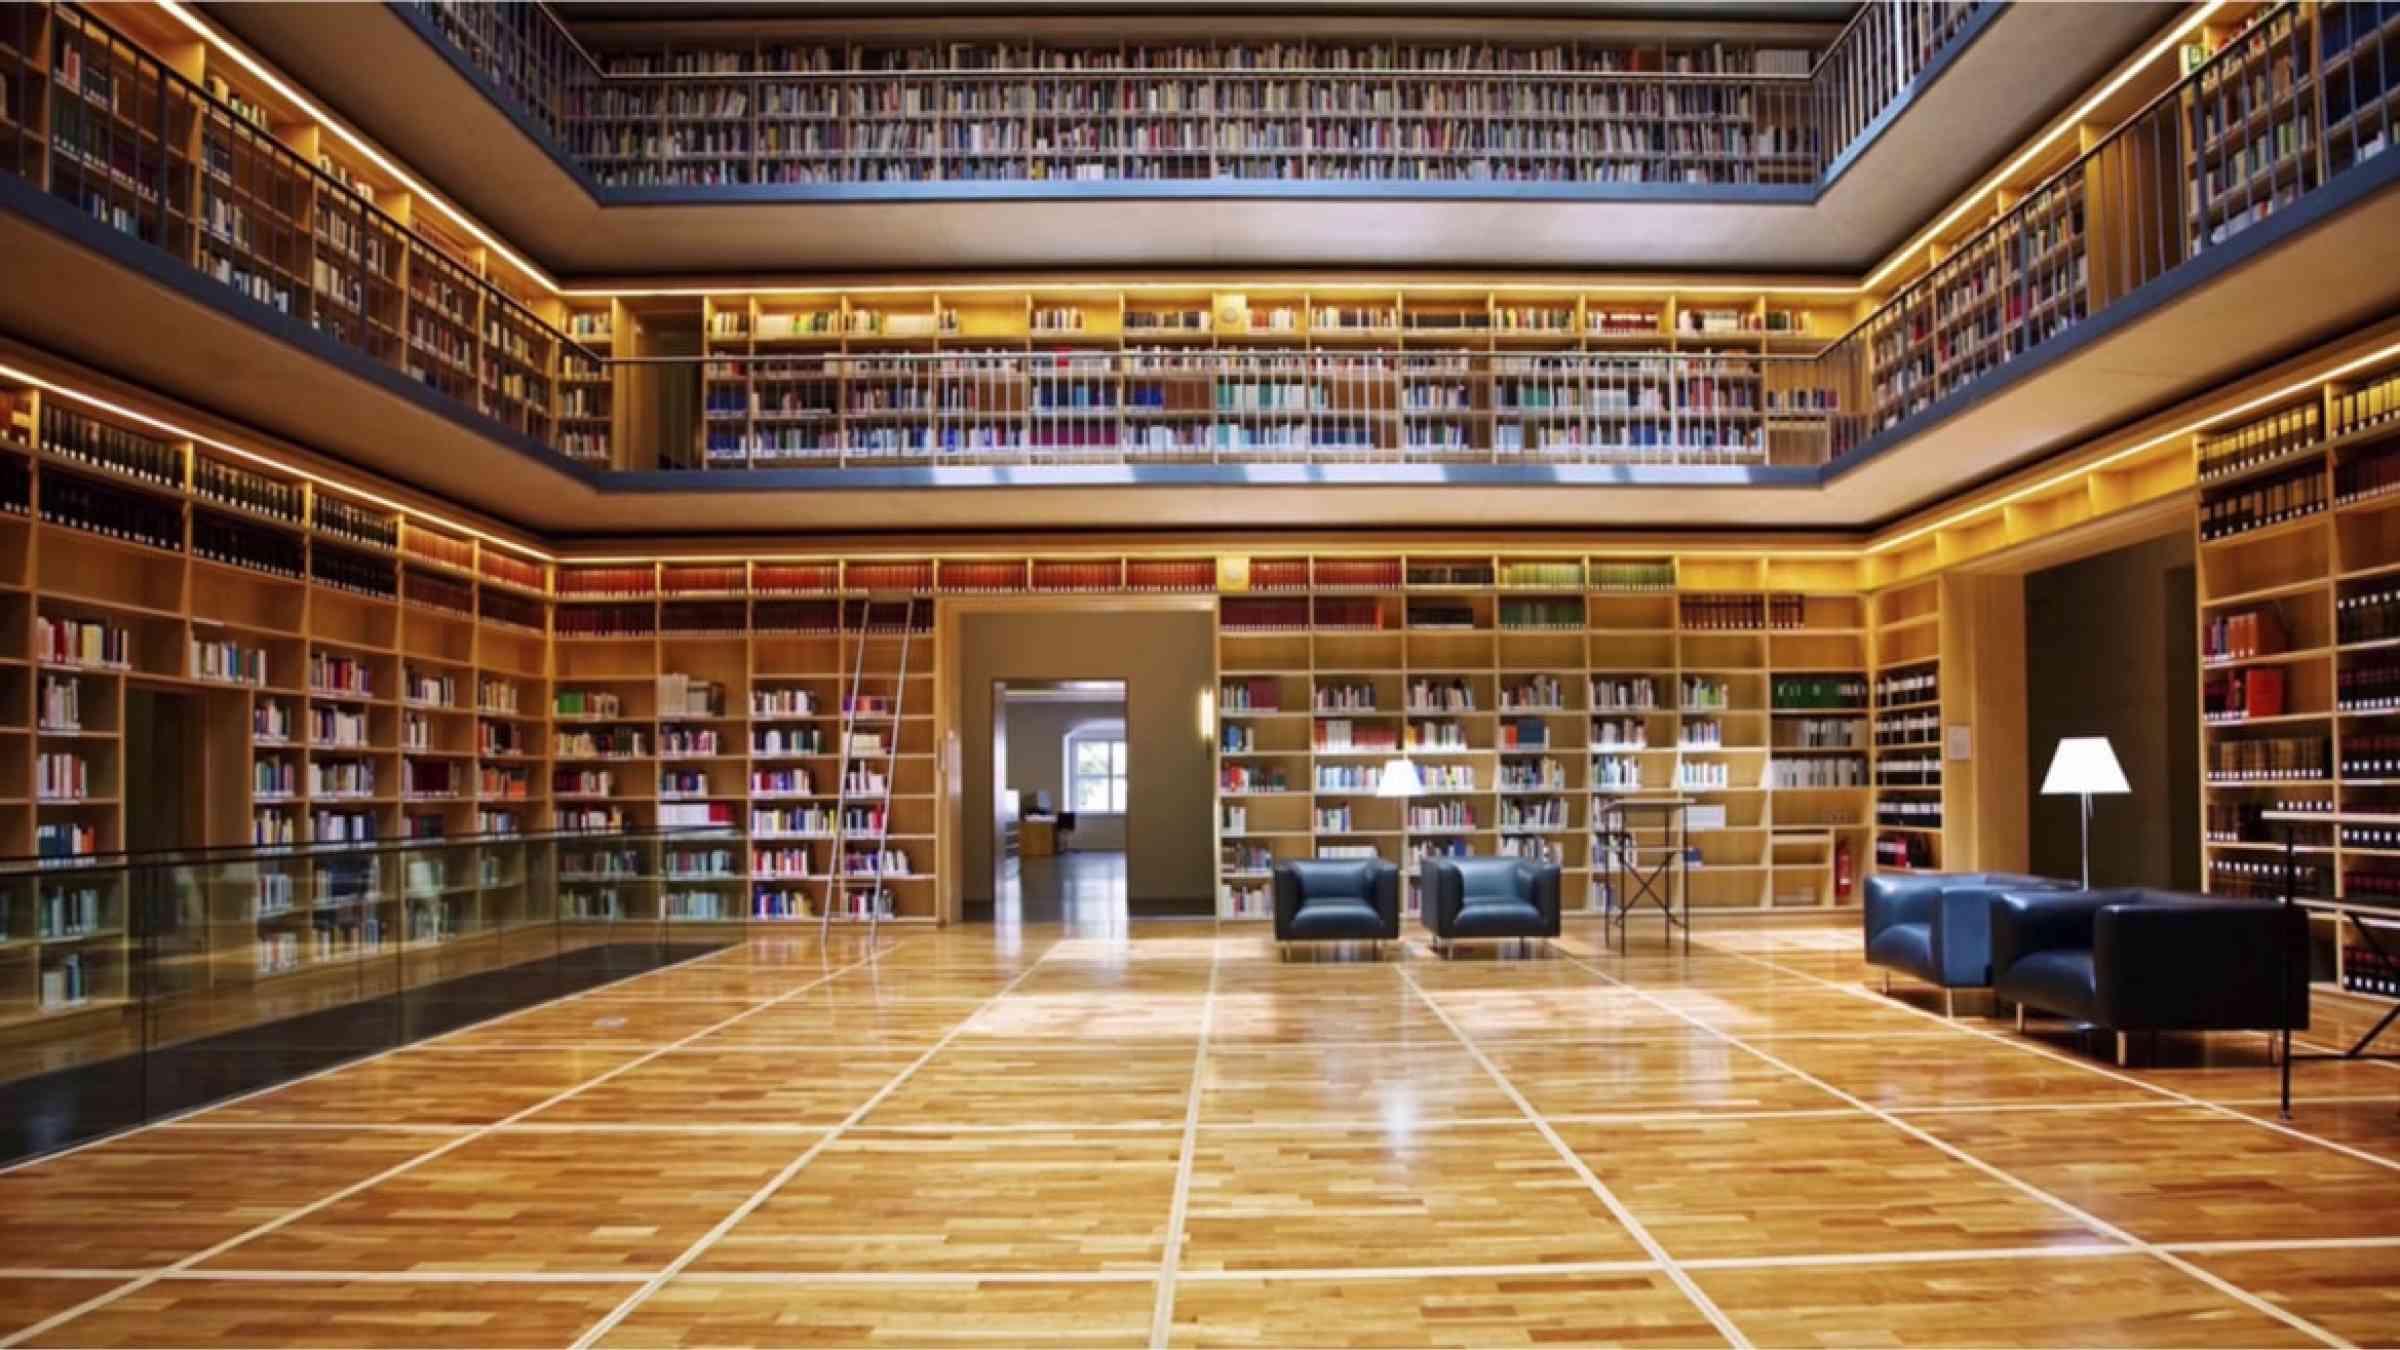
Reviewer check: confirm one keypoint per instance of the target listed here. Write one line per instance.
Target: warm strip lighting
(1795, 554)
(2189, 428)
(372, 155)
(1201, 287)
(185, 434)
(2074, 120)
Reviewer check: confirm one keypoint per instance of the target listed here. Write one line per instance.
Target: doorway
(1062, 764)
(1162, 651)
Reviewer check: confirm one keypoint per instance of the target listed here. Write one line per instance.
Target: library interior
(782, 674)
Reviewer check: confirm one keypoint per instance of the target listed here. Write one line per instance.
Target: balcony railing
(1359, 405)
(2302, 95)
(1208, 110)
(162, 981)
(132, 144)
(2301, 100)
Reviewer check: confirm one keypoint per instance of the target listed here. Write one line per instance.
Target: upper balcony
(1250, 140)
(2146, 263)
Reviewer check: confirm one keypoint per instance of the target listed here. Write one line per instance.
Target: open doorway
(1062, 763)
(1162, 652)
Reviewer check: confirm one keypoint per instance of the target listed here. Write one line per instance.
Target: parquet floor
(1165, 1136)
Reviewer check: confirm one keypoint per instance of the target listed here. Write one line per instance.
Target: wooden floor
(1166, 1136)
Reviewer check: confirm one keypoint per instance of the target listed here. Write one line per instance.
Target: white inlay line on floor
(792, 1169)
(1262, 1274)
(1624, 1216)
(181, 1117)
(2285, 1245)
(521, 1127)
(910, 1047)
(2170, 1096)
(1162, 1309)
(2079, 1215)
(875, 1001)
(316, 1126)
(2064, 1251)
(460, 1141)
(403, 1276)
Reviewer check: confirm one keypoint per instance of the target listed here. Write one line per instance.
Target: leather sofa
(1490, 898)
(1337, 900)
(2145, 960)
(1937, 926)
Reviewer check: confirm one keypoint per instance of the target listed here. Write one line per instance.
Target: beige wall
(1037, 758)
(1167, 660)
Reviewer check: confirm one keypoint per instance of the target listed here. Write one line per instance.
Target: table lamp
(1399, 779)
(2085, 766)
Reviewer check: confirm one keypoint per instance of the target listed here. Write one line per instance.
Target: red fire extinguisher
(1842, 871)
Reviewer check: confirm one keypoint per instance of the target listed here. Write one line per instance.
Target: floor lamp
(1399, 779)
(2085, 766)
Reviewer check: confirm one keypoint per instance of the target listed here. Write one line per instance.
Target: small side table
(2362, 917)
(1037, 836)
(1665, 883)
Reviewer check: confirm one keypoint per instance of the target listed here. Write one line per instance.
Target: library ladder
(839, 890)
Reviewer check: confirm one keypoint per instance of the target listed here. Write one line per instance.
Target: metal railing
(2302, 97)
(140, 985)
(2304, 93)
(134, 145)
(1878, 56)
(1298, 111)
(1356, 405)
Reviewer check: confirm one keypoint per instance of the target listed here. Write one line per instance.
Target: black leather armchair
(1937, 926)
(2143, 960)
(1490, 898)
(1337, 900)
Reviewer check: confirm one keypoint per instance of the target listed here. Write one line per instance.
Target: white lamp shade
(1400, 779)
(2084, 765)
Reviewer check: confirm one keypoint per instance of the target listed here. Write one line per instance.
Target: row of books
(2250, 879)
(2369, 615)
(2243, 695)
(112, 512)
(1908, 685)
(2259, 443)
(603, 743)
(2259, 631)
(1743, 611)
(82, 642)
(1820, 733)
(2269, 759)
(2370, 475)
(2371, 685)
(2286, 495)
(1112, 57)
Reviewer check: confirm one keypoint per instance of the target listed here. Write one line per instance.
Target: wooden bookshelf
(332, 649)
(837, 108)
(2299, 546)
(1306, 374)
(1911, 804)
(168, 142)
(762, 658)
(1529, 689)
